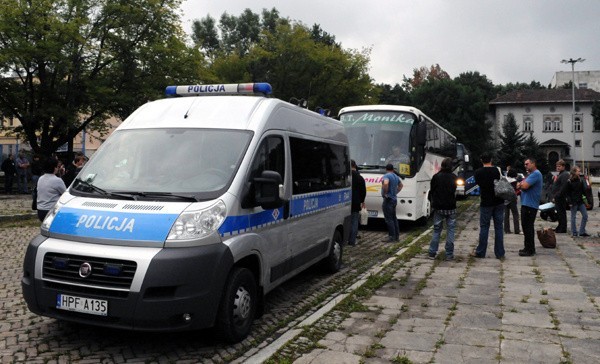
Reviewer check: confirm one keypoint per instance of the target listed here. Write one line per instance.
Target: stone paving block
(466, 354)
(476, 317)
(519, 351)
(470, 336)
(539, 319)
(410, 340)
(328, 356)
(386, 302)
(415, 356)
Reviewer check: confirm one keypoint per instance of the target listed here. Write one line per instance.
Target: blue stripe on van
(113, 225)
(299, 206)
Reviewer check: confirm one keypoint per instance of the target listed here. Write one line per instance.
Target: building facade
(583, 79)
(548, 116)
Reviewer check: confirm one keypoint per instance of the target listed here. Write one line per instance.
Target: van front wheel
(238, 305)
(333, 262)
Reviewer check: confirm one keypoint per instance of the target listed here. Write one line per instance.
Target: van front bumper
(180, 290)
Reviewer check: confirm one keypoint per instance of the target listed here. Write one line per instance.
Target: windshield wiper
(134, 194)
(99, 190)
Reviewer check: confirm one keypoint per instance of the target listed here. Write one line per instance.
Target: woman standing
(574, 191)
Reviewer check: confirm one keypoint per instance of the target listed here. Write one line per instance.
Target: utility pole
(572, 62)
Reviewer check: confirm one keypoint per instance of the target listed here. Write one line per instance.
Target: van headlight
(460, 182)
(50, 216)
(199, 223)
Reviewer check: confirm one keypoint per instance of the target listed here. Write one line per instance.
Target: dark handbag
(34, 199)
(547, 238)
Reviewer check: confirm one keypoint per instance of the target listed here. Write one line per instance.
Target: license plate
(373, 213)
(81, 304)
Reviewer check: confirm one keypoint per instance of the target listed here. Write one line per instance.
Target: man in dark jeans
(560, 203)
(531, 191)
(490, 207)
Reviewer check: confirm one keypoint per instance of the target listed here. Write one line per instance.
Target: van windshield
(159, 162)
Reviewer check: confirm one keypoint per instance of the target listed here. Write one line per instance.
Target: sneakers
(449, 258)
(584, 235)
(474, 255)
(574, 235)
(431, 256)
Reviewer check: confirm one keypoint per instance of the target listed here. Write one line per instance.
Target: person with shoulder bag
(511, 205)
(560, 202)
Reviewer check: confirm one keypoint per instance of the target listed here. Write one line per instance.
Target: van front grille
(105, 272)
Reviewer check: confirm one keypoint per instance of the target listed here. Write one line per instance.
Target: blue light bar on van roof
(222, 89)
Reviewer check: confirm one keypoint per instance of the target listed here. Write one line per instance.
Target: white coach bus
(406, 138)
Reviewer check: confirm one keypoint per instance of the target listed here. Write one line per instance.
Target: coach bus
(409, 140)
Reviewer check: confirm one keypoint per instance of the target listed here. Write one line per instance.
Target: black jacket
(359, 191)
(573, 191)
(443, 189)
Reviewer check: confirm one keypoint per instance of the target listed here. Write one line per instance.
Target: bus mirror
(267, 189)
(422, 132)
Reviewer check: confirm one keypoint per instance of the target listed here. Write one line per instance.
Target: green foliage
(297, 61)
(511, 143)
(459, 108)
(78, 62)
(531, 149)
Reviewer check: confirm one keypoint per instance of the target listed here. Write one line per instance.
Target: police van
(192, 210)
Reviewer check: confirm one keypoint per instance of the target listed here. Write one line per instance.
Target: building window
(578, 143)
(578, 124)
(547, 123)
(553, 123)
(597, 149)
(583, 85)
(597, 124)
(527, 123)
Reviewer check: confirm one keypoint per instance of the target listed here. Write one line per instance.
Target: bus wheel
(333, 262)
(238, 305)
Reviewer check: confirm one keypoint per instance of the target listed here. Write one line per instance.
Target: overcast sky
(506, 40)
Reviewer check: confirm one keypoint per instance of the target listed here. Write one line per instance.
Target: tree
(458, 108)
(511, 143)
(206, 37)
(596, 114)
(396, 95)
(532, 149)
(299, 62)
(422, 74)
(78, 62)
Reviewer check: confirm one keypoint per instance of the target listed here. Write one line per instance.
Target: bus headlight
(199, 223)
(460, 182)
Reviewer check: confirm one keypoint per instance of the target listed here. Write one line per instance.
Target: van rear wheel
(238, 305)
(333, 262)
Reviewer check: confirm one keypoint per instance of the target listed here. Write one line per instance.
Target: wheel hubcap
(242, 304)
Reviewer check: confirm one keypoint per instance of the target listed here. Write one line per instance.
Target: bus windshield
(377, 138)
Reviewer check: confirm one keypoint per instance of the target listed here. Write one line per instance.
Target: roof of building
(553, 143)
(547, 96)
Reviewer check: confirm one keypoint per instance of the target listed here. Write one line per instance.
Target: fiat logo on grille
(85, 270)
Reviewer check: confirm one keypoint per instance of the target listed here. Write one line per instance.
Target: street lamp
(572, 62)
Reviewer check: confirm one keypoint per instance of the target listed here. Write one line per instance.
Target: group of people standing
(566, 189)
(49, 178)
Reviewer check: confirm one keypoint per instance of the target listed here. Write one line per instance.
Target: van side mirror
(466, 158)
(266, 190)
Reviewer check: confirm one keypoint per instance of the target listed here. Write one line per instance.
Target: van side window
(318, 166)
(270, 156)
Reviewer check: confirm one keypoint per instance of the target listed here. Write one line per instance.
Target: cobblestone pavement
(540, 309)
(25, 337)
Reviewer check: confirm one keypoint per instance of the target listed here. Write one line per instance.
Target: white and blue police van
(192, 210)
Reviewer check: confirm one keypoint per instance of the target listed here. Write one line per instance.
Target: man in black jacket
(10, 169)
(359, 192)
(443, 202)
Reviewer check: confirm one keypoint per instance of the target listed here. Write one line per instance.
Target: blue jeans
(584, 216)
(486, 214)
(389, 214)
(355, 216)
(438, 225)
